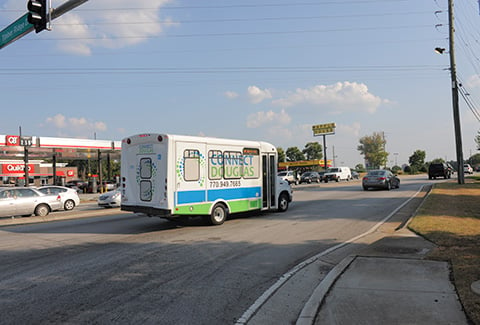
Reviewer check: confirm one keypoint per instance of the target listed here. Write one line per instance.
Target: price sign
(26, 141)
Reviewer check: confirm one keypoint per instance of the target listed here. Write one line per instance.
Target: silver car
(25, 201)
(380, 178)
(68, 196)
(110, 199)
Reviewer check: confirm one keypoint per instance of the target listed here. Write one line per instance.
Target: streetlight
(454, 82)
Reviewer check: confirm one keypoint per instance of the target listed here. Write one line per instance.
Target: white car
(110, 199)
(467, 169)
(68, 196)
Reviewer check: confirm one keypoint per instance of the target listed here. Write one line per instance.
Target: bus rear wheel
(219, 214)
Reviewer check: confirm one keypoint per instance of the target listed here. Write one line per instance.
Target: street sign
(322, 129)
(15, 30)
(22, 27)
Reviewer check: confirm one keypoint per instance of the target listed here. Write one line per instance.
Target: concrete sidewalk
(378, 290)
(390, 284)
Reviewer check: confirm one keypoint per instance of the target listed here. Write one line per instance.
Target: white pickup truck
(288, 176)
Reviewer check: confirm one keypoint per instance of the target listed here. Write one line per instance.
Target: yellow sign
(324, 128)
(305, 163)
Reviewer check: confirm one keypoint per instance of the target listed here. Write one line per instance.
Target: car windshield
(282, 174)
(333, 170)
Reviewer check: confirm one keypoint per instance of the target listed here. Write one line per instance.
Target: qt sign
(12, 140)
(15, 140)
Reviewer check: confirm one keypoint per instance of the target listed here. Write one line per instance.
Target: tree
(359, 168)
(313, 150)
(294, 154)
(417, 161)
(281, 154)
(437, 161)
(474, 160)
(373, 149)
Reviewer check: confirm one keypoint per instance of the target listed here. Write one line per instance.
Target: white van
(337, 174)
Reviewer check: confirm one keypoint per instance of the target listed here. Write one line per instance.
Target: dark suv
(439, 170)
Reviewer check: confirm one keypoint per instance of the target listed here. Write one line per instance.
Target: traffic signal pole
(66, 7)
(38, 18)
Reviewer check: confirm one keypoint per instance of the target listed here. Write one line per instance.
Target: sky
(254, 69)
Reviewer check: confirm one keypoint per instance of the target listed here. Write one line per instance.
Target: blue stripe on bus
(188, 197)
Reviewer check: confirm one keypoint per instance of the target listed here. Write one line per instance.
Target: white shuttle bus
(173, 175)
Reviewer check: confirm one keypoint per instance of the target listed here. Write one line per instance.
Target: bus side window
(215, 164)
(191, 170)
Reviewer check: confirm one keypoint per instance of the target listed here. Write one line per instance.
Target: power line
(469, 100)
(192, 70)
(230, 20)
(235, 6)
(255, 33)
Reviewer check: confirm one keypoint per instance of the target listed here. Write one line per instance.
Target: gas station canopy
(12, 147)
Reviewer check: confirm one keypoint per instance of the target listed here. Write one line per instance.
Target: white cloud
(74, 126)
(58, 121)
(277, 132)
(260, 118)
(257, 95)
(107, 25)
(231, 94)
(339, 97)
(353, 129)
(474, 81)
(77, 29)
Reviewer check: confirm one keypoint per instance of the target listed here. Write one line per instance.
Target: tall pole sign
(324, 130)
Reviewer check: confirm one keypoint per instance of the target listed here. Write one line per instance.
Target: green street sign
(15, 30)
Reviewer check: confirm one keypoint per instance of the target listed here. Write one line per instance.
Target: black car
(439, 170)
(380, 178)
(310, 177)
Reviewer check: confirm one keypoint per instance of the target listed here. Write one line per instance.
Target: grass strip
(450, 218)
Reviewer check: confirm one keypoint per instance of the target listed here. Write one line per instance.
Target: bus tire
(219, 214)
(283, 202)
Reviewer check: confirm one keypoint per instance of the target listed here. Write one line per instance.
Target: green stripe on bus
(244, 205)
(193, 209)
(204, 208)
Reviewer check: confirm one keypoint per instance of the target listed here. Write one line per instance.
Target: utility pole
(456, 113)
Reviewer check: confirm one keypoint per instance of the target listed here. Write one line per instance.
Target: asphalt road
(126, 268)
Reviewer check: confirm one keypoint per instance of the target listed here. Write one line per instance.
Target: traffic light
(37, 15)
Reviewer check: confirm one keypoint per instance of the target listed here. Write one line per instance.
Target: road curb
(310, 310)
